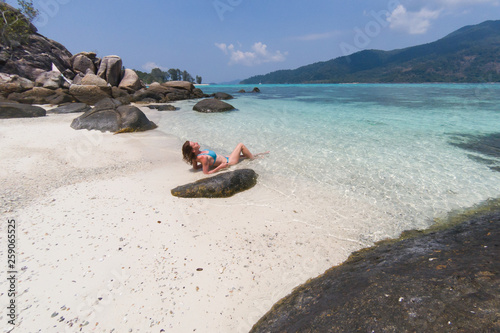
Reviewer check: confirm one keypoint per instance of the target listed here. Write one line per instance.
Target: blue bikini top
(210, 153)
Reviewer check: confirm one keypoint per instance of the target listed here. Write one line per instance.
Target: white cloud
(412, 22)
(150, 65)
(257, 55)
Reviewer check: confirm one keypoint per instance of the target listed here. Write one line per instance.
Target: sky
(226, 40)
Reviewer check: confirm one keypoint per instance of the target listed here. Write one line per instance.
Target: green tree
(145, 77)
(187, 77)
(173, 74)
(159, 75)
(15, 24)
(198, 79)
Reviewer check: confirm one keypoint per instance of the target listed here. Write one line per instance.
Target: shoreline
(103, 245)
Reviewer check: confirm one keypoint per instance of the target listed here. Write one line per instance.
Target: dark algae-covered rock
(432, 281)
(212, 105)
(221, 186)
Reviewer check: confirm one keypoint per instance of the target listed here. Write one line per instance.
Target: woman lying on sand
(209, 159)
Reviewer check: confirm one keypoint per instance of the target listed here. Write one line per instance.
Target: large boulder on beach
(198, 93)
(50, 80)
(16, 110)
(89, 94)
(82, 62)
(110, 115)
(121, 94)
(130, 81)
(37, 95)
(92, 56)
(155, 92)
(10, 83)
(179, 85)
(77, 79)
(221, 186)
(40, 95)
(111, 69)
(91, 79)
(222, 95)
(434, 281)
(212, 105)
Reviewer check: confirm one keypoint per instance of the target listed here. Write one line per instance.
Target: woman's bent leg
(237, 152)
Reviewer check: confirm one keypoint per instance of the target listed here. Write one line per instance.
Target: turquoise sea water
(397, 152)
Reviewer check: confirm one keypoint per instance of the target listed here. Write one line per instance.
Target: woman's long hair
(187, 153)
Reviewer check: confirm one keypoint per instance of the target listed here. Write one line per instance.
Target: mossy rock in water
(222, 95)
(221, 186)
(212, 105)
(441, 281)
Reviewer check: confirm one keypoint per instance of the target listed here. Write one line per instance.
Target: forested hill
(470, 54)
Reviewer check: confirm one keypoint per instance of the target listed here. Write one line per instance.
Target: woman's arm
(196, 166)
(221, 166)
(204, 164)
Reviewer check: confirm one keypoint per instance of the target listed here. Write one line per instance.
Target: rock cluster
(42, 71)
(167, 92)
(52, 88)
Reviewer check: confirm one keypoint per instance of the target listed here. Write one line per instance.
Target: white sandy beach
(104, 247)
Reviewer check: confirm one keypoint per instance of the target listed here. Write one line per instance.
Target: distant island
(470, 54)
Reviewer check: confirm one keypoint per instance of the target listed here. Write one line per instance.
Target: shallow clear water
(386, 149)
